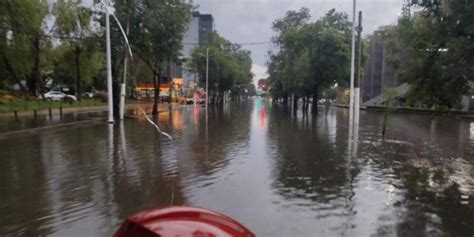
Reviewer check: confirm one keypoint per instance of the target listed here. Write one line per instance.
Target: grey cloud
(250, 21)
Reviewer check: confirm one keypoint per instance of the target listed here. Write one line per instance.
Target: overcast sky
(243, 21)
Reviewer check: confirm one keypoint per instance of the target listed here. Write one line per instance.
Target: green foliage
(312, 56)
(156, 29)
(229, 65)
(92, 61)
(63, 40)
(21, 40)
(79, 58)
(440, 51)
(390, 97)
(18, 104)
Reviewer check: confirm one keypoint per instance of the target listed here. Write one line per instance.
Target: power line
(241, 44)
(42, 34)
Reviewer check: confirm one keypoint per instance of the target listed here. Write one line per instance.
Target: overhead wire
(241, 44)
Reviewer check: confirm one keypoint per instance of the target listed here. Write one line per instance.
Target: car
(201, 101)
(57, 96)
(189, 101)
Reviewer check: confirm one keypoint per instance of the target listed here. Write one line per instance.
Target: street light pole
(124, 80)
(109, 68)
(351, 98)
(207, 78)
(358, 70)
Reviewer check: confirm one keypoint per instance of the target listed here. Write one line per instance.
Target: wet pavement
(277, 174)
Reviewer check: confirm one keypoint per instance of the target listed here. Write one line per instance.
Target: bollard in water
(16, 114)
(61, 112)
(35, 113)
(50, 113)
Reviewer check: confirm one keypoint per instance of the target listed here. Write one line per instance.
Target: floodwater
(27, 121)
(277, 174)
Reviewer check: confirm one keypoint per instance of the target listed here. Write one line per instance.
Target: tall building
(191, 38)
(378, 71)
(206, 25)
(199, 26)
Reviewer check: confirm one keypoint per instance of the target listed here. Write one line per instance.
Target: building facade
(378, 71)
(199, 26)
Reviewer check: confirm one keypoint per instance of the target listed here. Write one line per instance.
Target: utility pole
(124, 80)
(207, 78)
(109, 68)
(108, 12)
(357, 75)
(351, 98)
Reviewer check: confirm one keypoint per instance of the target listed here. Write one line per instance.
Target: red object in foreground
(183, 222)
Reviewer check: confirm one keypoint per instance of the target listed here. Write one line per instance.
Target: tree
(157, 28)
(280, 63)
(229, 67)
(79, 55)
(441, 51)
(22, 25)
(311, 58)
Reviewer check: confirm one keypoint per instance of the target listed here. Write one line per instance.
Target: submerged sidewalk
(26, 121)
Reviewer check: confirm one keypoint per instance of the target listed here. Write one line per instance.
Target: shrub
(68, 100)
(101, 95)
(4, 92)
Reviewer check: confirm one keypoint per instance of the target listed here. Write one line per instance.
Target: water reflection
(262, 112)
(281, 175)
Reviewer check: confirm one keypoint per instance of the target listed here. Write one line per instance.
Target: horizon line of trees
(64, 40)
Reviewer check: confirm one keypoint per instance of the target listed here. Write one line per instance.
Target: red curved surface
(182, 221)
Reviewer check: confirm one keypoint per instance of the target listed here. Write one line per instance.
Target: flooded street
(278, 175)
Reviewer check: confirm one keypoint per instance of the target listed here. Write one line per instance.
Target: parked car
(57, 96)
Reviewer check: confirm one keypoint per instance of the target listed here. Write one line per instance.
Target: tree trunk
(9, 68)
(295, 104)
(78, 72)
(214, 97)
(303, 106)
(307, 104)
(314, 108)
(221, 97)
(156, 84)
(35, 76)
(170, 86)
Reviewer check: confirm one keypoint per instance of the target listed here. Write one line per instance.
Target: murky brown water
(278, 175)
